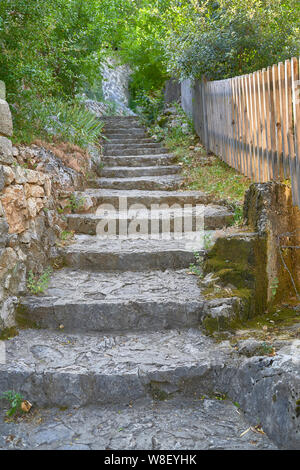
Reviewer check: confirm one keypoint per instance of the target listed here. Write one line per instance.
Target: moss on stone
(8, 333)
(240, 261)
(22, 318)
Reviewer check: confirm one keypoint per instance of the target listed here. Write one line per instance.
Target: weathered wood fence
(252, 121)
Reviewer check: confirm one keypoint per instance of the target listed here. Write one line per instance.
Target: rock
(20, 175)
(6, 156)
(3, 232)
(47, 186)
(6, 125)
(9, 174)
(15, 207)
(34, 206)
(2, 90)
(85, 204)
(34, 190)
(251, 347)
(34, 177)
(8, 260)
(2, 178)
(15, 151)
(7, 312)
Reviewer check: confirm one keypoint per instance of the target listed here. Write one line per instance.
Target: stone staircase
(118, 328)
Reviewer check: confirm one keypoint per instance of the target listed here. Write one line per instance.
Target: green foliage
(51, 51)
(38, 284)
(150, 104)
(66, 235)
(55, 118)
(238, 215)
(15, 401)
(75, 202)
(233, 37)
(274, 286)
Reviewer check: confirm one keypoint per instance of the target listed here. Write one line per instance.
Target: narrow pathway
(118, 335)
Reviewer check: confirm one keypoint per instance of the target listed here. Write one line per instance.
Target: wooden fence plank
(283, 106)
(296, 111)
(252, 122)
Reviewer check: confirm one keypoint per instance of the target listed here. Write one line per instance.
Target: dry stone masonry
(29, 221)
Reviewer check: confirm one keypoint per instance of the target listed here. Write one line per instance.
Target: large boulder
(2, 90)
(6, 125)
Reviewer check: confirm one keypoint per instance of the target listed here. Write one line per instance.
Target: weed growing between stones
(16, 402)
(196, 269)
(75, 203)
(38, 284)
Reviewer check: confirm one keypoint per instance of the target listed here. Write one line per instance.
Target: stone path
(118, 327)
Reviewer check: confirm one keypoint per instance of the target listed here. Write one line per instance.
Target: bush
(55, 119)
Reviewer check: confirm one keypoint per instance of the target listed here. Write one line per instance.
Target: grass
(202, 170)
(208, 173)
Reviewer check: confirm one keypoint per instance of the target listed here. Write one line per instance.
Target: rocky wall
(34, 184)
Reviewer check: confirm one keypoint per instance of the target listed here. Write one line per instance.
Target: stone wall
(269, 210)
(30, 223)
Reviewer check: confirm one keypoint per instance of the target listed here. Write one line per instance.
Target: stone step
(122, 129)
(133, 253)
(139, 160)
(136, 151)
(165, 220)
(113, 147)
(59, 369)
(125, 133)
(114, 302)
(117, 119)
(123, 200)
(141, 140)
(145, 424)
(164, 183)
(125, 171)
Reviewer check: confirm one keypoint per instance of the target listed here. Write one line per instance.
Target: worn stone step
(165, 183)
(146, 424)
(123, 200)
(133, 253)
(122, 129)
(136, 151)
(106, 302)
(113, 147)
(125, 133)
(128, 124)
(58, 369)
(125, 171)
(116, 119)
(145, 221)
(140, 140)
(139, 160)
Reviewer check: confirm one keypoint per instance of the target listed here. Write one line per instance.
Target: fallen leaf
(26, 406)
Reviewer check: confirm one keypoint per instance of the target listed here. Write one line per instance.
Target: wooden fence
(252, 122)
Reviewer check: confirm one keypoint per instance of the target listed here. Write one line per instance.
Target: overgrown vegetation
(15, 402)
(51, 51)
(65, 121)
(213, 176)
(202, 171)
